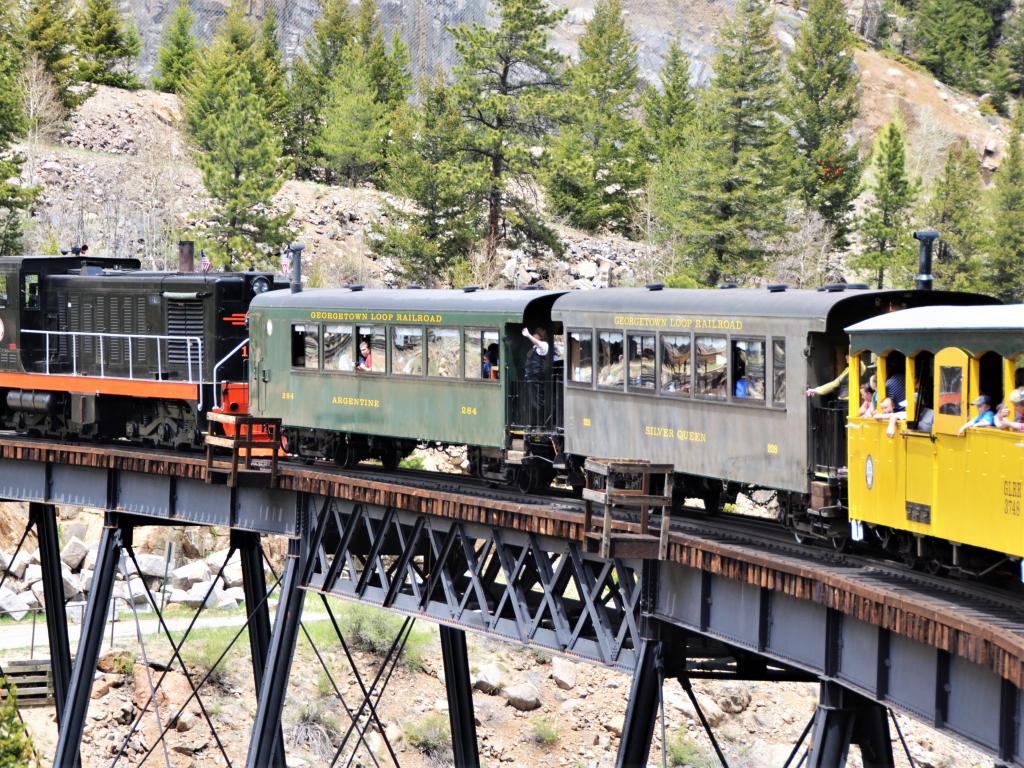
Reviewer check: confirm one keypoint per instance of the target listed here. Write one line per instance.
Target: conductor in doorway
(536, 363)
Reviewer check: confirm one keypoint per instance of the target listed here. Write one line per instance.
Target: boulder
(15, 566)
(33, 573)
(151, 566)
(72, 584)
(224, 600)
(563, 672)
(189, 574)
(74, 553)
(488, 679)
(677, 699)
(216, 559)
(178, 596)
(85, 575)
(15, 605)
(233, 574)
(733, 698)
(237, 593)
(197, 595)
(523, 697)
(135, 591)
(30, 598)
(90, 558)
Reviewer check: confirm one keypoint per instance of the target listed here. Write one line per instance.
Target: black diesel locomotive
(96, 348)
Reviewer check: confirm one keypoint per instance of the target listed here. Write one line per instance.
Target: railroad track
(980, 623)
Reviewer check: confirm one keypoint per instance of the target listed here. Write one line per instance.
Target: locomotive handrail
(189, 341)
(218, 364)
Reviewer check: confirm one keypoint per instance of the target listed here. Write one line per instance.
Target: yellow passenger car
(924, 483)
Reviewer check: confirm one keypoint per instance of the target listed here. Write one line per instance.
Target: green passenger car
(360, 374)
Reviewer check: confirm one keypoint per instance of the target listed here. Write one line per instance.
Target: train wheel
(712, 498)
(390, 458)
(346, 455)
(839, 543)
(533, 479)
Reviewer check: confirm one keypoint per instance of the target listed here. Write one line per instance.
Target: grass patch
(413, 461)
(545, 731)
(324, 688)
(684, 752)
(431, 736)
(316, 731)
(204, 647)
(374, 630)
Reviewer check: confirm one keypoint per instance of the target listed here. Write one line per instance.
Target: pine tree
(955, 210)
(884, 228)
(310, 82)
(1002, 270)
(446, 184)
(1013, 44)
(720, 198)
(242, 170)
(176, 60)
(505, 86)
(823, 102)
(16, 749)
(108, 44)
(597, 163)
(355, 123)
(950, 38)
(49, 33)
(1002, 80)
(14, 198)
(668, 110)
(388, 71)
(238, 44)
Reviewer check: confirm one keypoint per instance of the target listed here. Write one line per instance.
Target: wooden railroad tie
(627, 485)
(246, 437)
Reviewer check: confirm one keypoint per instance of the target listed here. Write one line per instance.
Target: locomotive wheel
(390, 458)
(533, 479)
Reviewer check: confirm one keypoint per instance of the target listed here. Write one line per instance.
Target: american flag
(204, 261)
(286, 261)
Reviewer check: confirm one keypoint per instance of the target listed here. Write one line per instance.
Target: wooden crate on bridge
(254, 443)
(626, 485)
(33, 680)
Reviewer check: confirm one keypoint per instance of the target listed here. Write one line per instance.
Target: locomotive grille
(184, 318)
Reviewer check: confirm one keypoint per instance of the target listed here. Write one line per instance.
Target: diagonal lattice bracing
(523, 587)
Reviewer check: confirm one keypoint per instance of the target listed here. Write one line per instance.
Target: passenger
(926, 420)
(896, 385)
(840, 385)
(485, 366)
(536, 364)
(888, 410)
(1002, 417)
(365, 362)
(867, 399)
(494, 360)
(873, 381)
(985, 417)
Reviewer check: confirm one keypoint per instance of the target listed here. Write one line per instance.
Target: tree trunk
(493, 211)
(881, 277)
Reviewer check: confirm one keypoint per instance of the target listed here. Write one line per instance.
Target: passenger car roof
(404, 299)
(976, 329)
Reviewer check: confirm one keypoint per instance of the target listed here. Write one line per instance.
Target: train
(721, 384)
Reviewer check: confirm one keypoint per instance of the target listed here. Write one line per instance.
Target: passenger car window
(443, 352)
(30, 299)
(3, 290)
(483, 354)
(712, 367)
(581, 357)
(306, 345)
(610, 361)
(748, 369)
(950, 388)
(641, 362)
(779, 371)
(370, 350)
(676, 365)
(338, 348)
(406, 350)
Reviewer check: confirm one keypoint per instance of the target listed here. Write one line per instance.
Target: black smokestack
(296, 251)
(186, 256)
(927, 239)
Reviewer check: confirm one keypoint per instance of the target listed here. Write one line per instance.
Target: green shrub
(682, 751)
(374, 630)
(324, 687)
(545, 731)
(15, 744)
(431, 736)
(316, 731)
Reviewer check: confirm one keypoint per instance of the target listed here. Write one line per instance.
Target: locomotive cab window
(482, 354)
(641, 362)
(581, 357)
(712, 367)
(305, 345)
(406, 351)
(443, 352)
(370, 349)
(338, 348)
(676, 365)
(30, 292)
(748, 368)
(779, 372)
(610, 362)
(951, 384)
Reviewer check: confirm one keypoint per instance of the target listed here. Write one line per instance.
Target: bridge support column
(266, 745)
(642, 711)
(460, 697)
(254, 583)
(76, 704)
(844, 718)
(44, 518)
